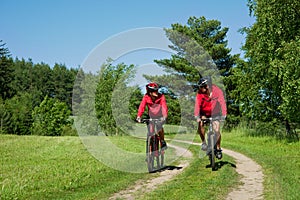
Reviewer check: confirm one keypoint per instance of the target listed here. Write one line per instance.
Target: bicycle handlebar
(209, 119)
(151, 120)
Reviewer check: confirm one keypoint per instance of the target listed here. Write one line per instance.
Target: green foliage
(113, 97)
(290, 79)
(201, 50)
(197, 43)
(62, 83)
(134, 102)
(50, 118)
(23, 86)
(40, 80)
(4, 117)
(6, 71)
(268, 83)
(18, 111)
(84, 109)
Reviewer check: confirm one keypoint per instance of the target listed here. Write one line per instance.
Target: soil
(251, 186)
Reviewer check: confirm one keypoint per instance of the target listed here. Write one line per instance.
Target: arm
(222, 102)
(197, 107)
(164, 107)
(142, 107)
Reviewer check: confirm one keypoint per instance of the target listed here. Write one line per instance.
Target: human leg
(216, 127)
(201, 132)
(161, 134)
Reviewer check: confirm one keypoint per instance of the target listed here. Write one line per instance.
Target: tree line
(34, 96)
(262, 89)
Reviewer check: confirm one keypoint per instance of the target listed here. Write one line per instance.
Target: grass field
(34, 167)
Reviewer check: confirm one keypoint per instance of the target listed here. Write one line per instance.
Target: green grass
(280, 161)
(36, 167)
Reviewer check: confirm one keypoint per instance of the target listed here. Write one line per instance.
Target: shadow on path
(220, 164)
(171, 167)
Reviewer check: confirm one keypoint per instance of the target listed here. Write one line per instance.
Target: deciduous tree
(269, 80)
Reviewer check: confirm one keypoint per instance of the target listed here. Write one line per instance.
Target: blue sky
(66, 31)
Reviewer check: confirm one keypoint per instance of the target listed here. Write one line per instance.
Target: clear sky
(66, 31)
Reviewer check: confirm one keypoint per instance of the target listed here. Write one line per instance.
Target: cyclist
(157, 108)
(209, 102)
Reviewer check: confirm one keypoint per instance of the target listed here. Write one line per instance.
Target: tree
(113, 97)
(197, 43)
(4, 117)
(201, 49)
(271, 61)
(18, 110)
(6, 71)
(63, 81)
(51, 117)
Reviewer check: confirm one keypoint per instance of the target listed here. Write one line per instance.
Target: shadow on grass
(164, 168)
(220, 164)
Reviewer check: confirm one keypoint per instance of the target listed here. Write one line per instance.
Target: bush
(50, 118)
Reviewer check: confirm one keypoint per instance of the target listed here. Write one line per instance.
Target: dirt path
(251, 182)
(141, 186)
(252, 178)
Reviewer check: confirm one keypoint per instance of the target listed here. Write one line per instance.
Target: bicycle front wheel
(149, 154)
(212, 153)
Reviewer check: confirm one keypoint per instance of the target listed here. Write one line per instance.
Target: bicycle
(211, 151)
(154, 152)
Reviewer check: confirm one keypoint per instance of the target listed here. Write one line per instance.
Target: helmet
(151, 87)
(204, 81)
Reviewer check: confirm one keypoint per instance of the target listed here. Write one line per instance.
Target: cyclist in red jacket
(209, 102)
(157, 108)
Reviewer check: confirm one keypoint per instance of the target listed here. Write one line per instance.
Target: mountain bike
(154, 152)
(211, 151)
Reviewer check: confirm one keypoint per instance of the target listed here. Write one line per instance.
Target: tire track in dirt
(142, 186)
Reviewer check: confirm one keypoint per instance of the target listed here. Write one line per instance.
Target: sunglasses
(151, 90)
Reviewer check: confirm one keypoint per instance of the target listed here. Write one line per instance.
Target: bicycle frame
(153, 146)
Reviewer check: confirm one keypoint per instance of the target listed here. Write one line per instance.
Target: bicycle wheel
(156, 151)
(162, 158)
(212, 155)
(149, 154)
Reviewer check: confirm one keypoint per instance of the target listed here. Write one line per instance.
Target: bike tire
(149, 154)
(157, 152)
(162, 159)
(212, 155)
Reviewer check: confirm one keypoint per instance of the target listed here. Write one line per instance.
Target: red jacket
(156, 109)
(210, 106)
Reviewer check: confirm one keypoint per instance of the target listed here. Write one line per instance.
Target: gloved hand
(163, 119)
(138, 119)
